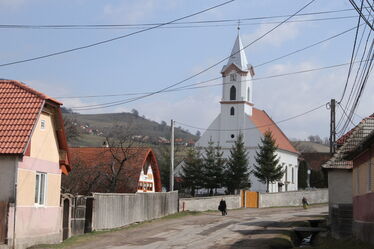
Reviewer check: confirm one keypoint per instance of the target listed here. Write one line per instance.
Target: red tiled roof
(19, 109)
(264, 123)
(89, 161)
(344, 137)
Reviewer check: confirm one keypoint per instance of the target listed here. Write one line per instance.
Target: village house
(361, 156)
(239, 116)
(96, 169)
(33, 155)
(313, 156)
(341, 181)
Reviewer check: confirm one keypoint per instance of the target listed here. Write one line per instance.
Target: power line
(174, 23)
(352, 58)
(212, 66)
(361, 14)
(256, 127)
(125, 101)
(209, 24)
(115, 38)
(199, 83)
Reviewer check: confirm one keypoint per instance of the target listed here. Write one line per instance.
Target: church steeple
(237, 57)
(237, 83)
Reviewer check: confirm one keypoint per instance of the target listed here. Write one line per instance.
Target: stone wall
(208, 203)
(293, 198)
(118, 210)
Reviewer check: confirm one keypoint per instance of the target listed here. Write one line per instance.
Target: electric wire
(256, 66)
(114, 38)
(123, 101)
(210, 67)
(170, 26)
(256, 127)
(174, 23)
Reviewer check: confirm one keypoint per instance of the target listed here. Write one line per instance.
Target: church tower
(237, 83)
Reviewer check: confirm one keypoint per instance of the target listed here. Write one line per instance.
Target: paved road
(209, 230)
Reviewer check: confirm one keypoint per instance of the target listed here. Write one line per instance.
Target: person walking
(305, 202)
(222, 207)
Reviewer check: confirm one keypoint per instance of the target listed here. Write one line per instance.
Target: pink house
(33, 155)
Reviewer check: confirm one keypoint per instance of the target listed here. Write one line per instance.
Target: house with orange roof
(239, 116)
(33, 156)
(114, 170)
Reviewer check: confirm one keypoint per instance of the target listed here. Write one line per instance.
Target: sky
(155, 59)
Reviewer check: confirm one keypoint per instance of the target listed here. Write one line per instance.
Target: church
(239, 115)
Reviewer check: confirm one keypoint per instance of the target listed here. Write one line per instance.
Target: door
(65, 220)
(3, 221)
(251, 199)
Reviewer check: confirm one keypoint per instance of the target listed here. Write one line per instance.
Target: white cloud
(284, 33)
(137, 10)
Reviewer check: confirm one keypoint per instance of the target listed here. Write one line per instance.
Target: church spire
(238, 57)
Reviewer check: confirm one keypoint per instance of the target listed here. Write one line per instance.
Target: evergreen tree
(212, 167)
(267, 169)
(236, 172)
(302, 175)
(192, 173)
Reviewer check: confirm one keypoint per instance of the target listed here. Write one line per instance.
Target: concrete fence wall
(293, 198)
(117, 210)
(208, 203)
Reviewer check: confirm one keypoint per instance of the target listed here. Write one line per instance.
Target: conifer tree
(212, 167)
(267, 169)
(236, 173)
(192, 173)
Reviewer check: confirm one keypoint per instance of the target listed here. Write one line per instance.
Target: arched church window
(233, 93)
(248, 94)
(232, 111)
(232, 77)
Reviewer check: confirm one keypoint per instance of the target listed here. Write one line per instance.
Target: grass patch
(330, 243)
(88, 236)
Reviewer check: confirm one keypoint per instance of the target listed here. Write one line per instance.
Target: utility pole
(332, 127)
(172, 157)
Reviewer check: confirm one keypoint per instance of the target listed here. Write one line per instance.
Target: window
(42, 124)
(233, 93)
(232, 77)
(248, 94)
(232, 111)
(232, 135)
(40, 188)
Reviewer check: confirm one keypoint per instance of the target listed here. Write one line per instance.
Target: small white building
(238, 115)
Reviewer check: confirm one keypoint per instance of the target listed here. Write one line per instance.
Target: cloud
(137, 10)
(279, 36)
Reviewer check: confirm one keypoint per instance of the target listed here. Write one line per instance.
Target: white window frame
(40, 189)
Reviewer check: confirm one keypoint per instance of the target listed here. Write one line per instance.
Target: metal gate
(3, 221)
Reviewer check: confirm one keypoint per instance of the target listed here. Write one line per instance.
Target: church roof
(264, 123)
(237, 56)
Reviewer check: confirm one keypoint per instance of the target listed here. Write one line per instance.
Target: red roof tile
(89, 161)
(20, 106)
(264, 123)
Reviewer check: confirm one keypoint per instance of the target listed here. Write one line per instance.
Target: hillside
(93, 128)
